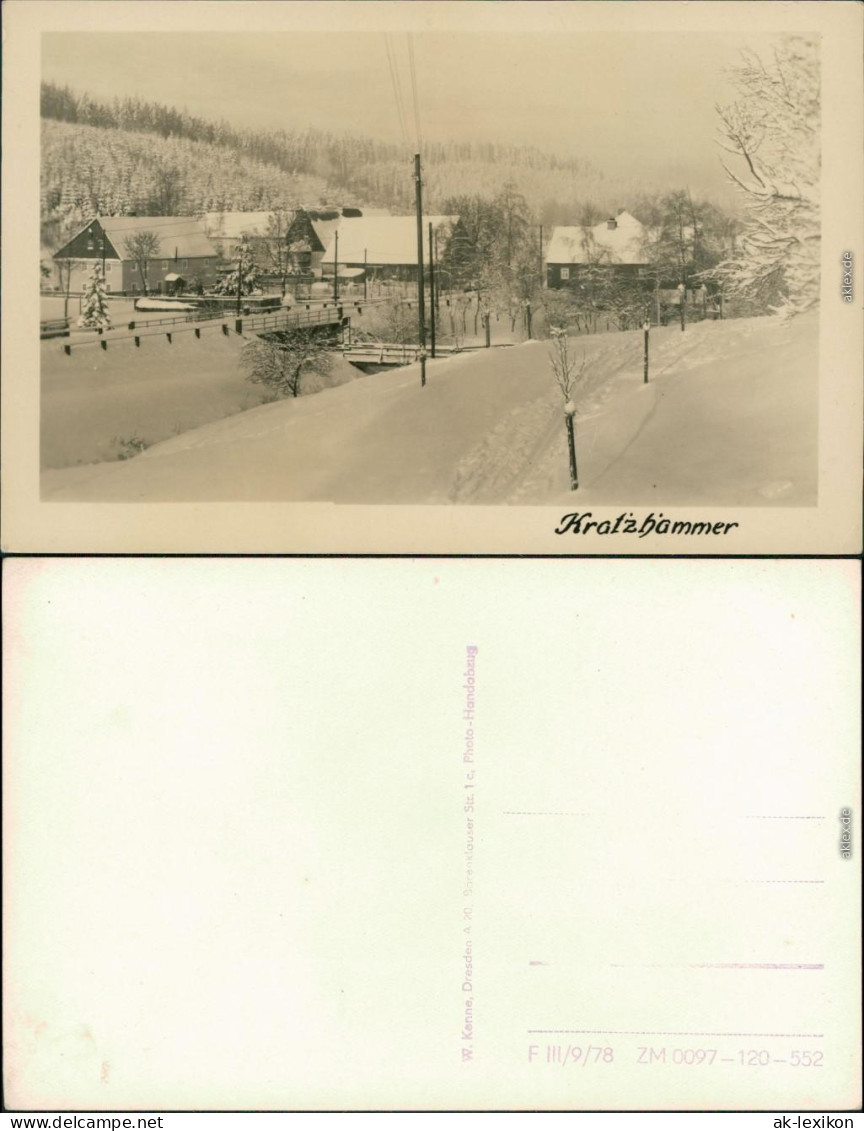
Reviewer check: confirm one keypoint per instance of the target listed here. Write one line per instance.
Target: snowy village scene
(390, 267)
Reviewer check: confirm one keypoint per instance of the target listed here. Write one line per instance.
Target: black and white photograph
(573, 270)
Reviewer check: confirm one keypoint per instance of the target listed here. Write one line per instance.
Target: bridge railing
(394, 351)
(54, 328)
(291, 319)
(254, 323)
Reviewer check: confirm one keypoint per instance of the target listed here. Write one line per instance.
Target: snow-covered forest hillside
(140, 157)
(92, 170)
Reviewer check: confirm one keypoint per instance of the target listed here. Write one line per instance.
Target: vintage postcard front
(432, 835)
(372, 277)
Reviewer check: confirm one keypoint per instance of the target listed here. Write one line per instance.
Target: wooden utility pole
(569, 413)
(68, 289)
(336, 268)
(365, 274)
(239, 277)
(646, 326)
(437, 288)
(431, 289)
(421, 298)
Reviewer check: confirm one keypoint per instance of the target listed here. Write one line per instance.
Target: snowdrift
(163, 304)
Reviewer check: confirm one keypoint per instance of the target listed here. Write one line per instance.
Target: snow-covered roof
(388, 240)
(324, 229)
(599, 244)
(180, 235)
(233, 225)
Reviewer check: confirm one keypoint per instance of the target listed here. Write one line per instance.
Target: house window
(185, 264)
(107, 268)
(164, 264)
(133, 266)
(206, 262)
(565, 272)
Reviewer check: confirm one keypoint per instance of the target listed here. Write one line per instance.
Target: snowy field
(94, 410)
(99, 406)
(729, 418)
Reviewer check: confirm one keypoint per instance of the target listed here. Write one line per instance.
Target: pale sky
(632, 104)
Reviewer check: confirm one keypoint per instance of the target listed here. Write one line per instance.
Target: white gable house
(616, 243)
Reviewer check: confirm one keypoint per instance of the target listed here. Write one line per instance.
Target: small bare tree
(399, 322)
(141, 248)
(569, 373)
(282, 364)
(561, 309)
(391, 321)
(277, 254)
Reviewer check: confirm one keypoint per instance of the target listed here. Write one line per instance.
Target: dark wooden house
(184, 254)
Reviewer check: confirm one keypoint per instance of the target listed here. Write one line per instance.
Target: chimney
(611, 223)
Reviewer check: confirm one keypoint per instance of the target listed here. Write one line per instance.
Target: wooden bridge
(377, 355)
(264, 323)
(388, 353)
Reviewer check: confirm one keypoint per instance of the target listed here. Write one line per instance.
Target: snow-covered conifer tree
(94, 311)
(244, 278)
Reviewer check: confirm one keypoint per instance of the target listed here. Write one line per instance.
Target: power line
(413, 69)
(394, 84)
(397, 90)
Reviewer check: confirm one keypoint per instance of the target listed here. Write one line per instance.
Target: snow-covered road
(729, 417)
